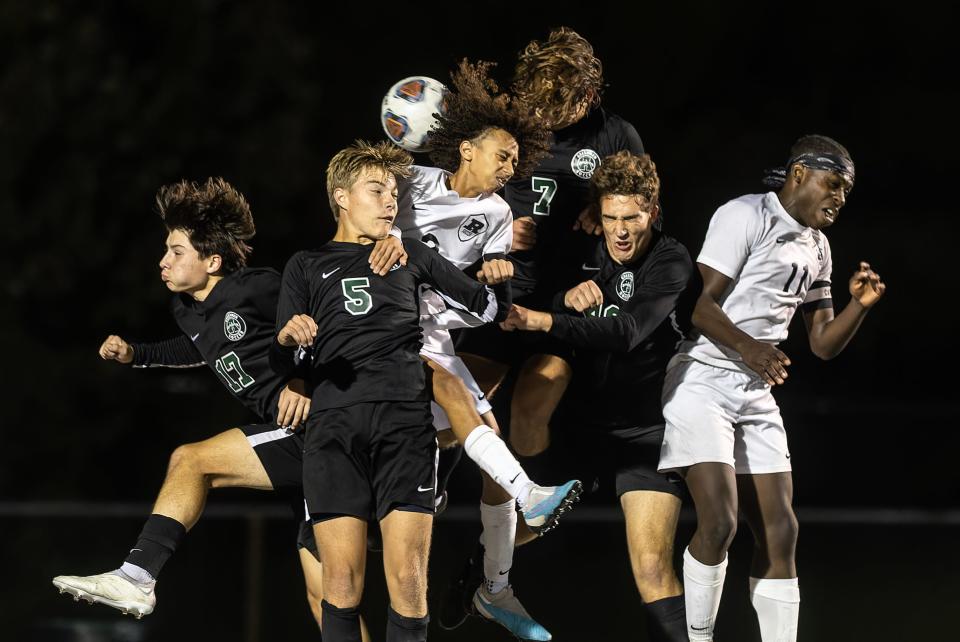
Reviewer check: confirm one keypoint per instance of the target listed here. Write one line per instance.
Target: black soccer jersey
(231, 331)
(368, 338)
(555, 195)
(623, 346)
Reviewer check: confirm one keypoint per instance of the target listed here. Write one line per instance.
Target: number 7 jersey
(776, 264)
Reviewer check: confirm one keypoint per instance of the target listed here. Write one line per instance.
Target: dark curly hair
(473, 107)
(214, 215)
(628, 174)
(555, 77)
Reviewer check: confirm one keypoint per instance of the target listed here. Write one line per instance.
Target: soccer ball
(407, 112)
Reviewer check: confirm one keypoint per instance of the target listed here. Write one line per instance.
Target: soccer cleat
(112, 589)
(505, 609)
(546, 504)
(456, 602)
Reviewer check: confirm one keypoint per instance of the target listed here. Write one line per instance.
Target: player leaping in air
(764, 256)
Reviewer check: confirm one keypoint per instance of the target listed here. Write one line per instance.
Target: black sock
(449, 457)
(405, 629)
(667, 620)
(157, 542)
(340, 625)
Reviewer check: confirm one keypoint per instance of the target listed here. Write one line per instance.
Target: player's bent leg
(713, 488)
(227, 459)
(651, 524)
(539, 388)
(766, 503)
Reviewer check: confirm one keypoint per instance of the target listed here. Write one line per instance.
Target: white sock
(702, 586)
(777, 603)
(135, 574)
(486, 448)
(498, 538)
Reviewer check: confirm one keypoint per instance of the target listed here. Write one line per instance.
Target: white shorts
(717, 415)
(438, 347)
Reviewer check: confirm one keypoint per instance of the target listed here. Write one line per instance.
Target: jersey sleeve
(818, 294)
(650, 305)
(294, 299)
(459, 291)
(500, 240)
(178, 352)
(733, 230)
(631, 140)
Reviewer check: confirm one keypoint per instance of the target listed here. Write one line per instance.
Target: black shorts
(366, 459)
(625, 458)
(510, 348)
(281, 453)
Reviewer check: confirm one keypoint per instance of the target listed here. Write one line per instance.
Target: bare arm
(829, 335)
(708, 317)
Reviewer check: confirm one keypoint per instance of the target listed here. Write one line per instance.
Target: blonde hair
(346, 166)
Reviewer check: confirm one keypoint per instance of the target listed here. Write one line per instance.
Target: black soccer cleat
(456, 603)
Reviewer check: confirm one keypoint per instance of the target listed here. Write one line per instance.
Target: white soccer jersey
(462, 229)
(776, 264)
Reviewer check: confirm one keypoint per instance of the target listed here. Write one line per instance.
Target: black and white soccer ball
(409, 109)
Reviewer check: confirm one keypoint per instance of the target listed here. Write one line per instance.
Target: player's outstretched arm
(521, 318)
(708, 317)
(829, 335)
(116, 349)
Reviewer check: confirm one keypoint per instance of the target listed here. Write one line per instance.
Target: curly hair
(345, 167)
(555, 77)
(473, 107)
(625, 173)
(214, 215)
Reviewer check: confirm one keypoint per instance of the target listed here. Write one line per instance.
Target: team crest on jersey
(585, 163)
(234, 326)
(625, 286)
(470, 228)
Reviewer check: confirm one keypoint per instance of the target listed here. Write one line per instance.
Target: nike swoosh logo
(514, 478)
(587, 267)
(782, 240)
(704, 628)
(326, 274)
(481, 396)
(194, 337)
(136, 549)
(423, 490)
(504, 572)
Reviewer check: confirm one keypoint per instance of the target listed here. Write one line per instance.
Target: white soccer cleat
(111, 589)
(546, 504)
(505, 609)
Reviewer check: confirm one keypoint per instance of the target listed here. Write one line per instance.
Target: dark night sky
(101, 103)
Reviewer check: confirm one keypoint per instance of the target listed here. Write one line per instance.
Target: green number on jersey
(233, 373)
(358, 300)
(611, 310)
(547, 188)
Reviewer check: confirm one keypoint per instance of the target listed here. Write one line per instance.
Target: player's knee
(529, 436)
(448, 388)
(342, 585)
(184, 456)
(718, 529)
(653, 572)
(408, 584)
(314, 601)
(781, 536)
